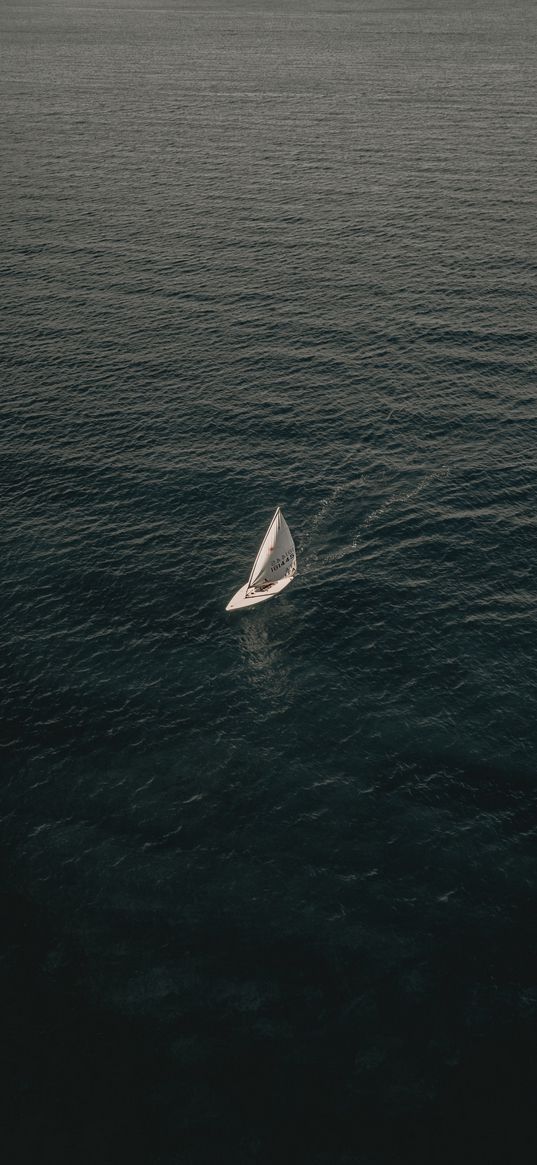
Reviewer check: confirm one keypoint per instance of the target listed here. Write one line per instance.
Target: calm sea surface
(269, 878)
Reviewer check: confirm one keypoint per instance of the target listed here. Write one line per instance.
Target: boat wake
(311, 555)
(400, 497)
(314, 558)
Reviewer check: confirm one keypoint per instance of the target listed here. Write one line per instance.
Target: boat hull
(241, 598)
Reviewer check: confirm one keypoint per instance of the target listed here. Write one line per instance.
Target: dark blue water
(269, 879)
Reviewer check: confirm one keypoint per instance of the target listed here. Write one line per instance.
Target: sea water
(269, 878)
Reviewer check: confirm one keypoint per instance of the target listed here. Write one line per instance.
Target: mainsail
(276, 557)
(273, 569)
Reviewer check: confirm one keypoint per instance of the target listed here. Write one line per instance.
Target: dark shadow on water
(78, 1080)
(287, 1050)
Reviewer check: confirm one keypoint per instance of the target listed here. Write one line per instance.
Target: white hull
(241, 598)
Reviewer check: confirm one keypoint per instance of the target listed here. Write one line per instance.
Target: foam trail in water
(407, 496)
(325, 508)
(394, 500)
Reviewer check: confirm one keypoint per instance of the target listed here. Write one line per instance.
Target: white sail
(273, 569)
(276, 557)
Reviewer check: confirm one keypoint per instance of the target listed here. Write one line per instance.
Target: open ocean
(268, 878)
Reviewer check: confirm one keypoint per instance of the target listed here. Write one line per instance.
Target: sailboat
(273, 569)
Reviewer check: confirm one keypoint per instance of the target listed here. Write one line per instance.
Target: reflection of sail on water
(266, 667)
(274, 566)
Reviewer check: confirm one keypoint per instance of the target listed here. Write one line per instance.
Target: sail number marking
(281, 561)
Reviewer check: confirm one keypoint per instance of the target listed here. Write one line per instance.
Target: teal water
(269, 879)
